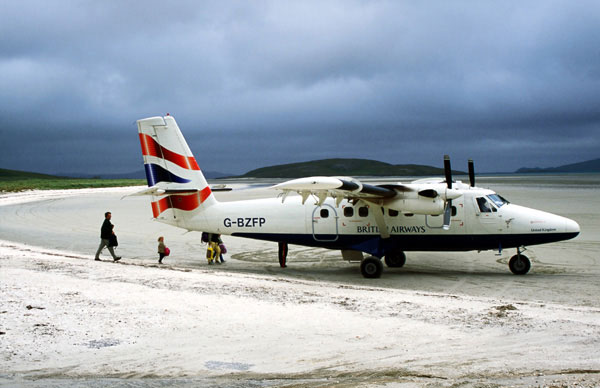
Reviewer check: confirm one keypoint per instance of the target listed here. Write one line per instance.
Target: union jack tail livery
(175, 182)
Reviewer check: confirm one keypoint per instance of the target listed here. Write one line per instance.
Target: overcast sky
(258, 83)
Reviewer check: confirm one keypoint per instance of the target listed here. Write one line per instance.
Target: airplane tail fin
(175, 181)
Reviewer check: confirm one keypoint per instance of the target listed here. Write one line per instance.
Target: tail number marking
(248, 222)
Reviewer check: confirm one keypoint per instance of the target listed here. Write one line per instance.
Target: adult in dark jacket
(106, 232)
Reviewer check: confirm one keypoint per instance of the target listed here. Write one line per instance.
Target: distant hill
(128, 175)
(17, 175)
(215, 174)
(588, 166)
(140, 174)
(14, 180)
(350, 167)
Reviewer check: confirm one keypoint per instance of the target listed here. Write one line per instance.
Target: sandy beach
(444, 320)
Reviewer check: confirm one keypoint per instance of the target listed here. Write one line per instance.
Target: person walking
(282, 254)
(106, 233)
(162, 249)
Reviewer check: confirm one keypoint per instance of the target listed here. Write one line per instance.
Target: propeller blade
(448, 209)
(471, 172)
(448, 171)
(447, 215)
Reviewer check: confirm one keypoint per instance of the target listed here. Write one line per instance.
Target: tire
(519, 264)
(395, 259)
(371, 267)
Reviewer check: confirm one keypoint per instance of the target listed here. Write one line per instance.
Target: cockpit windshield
(497, 200)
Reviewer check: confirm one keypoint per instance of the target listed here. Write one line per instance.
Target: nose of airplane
(571, 226)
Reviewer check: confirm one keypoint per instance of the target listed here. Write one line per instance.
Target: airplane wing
(341, 188)
(338, 188)
(422, 197)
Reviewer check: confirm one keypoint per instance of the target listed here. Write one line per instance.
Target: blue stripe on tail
(155, 174)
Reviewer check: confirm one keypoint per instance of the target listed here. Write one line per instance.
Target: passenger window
(363, 211)
(324, 213)
(453, 211)
(408, 214)
(484, 205)
(393, 213)
(348, 211)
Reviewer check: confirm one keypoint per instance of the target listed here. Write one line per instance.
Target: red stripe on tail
(205, 193)
(151, 148)
(181, 202)
(160, 206)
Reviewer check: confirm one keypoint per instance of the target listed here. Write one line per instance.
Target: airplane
(343, 213)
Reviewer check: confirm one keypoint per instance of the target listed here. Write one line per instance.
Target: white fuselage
(344, 226)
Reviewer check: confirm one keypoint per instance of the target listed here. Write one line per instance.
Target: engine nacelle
(420, 205)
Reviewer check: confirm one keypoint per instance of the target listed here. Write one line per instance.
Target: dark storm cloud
(261, 83)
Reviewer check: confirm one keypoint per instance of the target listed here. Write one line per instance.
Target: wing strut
(378, 214)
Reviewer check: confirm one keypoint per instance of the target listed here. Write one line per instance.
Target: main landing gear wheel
(395, 259)
(519, 264)
(371, 267)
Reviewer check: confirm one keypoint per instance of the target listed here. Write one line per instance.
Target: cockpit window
(502, 198)
(485, 206)
(497, 200)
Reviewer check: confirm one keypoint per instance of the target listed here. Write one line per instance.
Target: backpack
(167, 251)
(112, 241)
(204, 237)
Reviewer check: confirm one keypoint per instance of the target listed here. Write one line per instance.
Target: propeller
(448, 171)
(471, 173)
(448, 209)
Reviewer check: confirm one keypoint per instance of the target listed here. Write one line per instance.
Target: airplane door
(458, 215)
(325, 223)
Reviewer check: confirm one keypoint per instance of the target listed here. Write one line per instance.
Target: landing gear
(395, 259)
(519, 264)
(371, 267)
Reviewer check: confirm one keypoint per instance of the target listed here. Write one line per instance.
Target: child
(161, 249)
(213, 252)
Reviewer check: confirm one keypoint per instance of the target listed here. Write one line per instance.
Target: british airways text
(248, 222)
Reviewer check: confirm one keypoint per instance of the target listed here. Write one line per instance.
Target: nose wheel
(519, 264)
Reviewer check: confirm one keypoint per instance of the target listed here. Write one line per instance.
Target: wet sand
(445, 319)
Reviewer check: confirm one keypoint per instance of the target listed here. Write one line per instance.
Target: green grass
(64, 183)
(12, 180)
